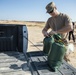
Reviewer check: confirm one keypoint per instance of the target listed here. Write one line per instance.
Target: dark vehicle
(15, 60)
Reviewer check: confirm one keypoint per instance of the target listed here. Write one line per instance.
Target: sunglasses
(51, 11)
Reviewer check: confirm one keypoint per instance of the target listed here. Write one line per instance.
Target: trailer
(15, 60)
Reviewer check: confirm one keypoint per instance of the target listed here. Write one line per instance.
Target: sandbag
(56, 55)
(47, 43)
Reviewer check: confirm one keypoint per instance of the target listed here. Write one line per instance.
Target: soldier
(59, 23)
(72, 33)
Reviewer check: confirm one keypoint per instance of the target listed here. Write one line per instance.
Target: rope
(32, 43)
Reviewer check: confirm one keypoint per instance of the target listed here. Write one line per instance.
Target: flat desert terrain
(35, 37)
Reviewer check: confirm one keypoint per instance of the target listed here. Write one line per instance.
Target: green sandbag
(56, 55)
(47, 42)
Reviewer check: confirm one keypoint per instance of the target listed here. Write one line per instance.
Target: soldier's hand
(46, 34)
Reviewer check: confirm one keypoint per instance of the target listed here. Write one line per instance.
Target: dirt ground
(35, 38)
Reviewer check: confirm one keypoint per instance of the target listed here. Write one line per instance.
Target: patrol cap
(50, 7)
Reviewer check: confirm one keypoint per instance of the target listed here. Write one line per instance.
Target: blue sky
(34, 10)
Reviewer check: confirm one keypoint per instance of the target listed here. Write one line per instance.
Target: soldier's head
(52, 9)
